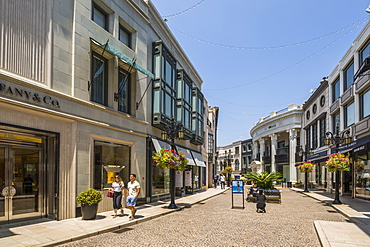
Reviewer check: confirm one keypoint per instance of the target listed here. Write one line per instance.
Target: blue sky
(231, 43)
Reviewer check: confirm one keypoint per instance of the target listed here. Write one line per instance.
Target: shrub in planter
(89, 200)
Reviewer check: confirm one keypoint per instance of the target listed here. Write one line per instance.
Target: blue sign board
(237, 186)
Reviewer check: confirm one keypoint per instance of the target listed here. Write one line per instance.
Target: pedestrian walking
(215, 181)
(132, 193)
(261, 202)
(222, 181)
(117, 189)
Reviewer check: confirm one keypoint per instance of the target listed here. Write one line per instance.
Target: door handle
(8, 191)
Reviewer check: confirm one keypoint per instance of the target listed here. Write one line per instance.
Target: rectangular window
(99, 79)
(164, 91)
(348, 76)
(109, 154)
(322, 131)
(365, 104)
(314, 136)
(349, 114)
(336, 122)
(336, 89)
(99, 16)
(237, 168)
(210, 143)
(308, 138)
(365, 52)
(123, 91)
(125, 36)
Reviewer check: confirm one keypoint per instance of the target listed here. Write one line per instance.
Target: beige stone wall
(25, 41)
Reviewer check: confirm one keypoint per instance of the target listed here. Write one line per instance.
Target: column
(292, 153)
(262, 150)
(273, 151)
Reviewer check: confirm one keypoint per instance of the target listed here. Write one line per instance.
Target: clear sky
(258, 56)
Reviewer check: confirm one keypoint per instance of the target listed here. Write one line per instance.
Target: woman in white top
(117, 188)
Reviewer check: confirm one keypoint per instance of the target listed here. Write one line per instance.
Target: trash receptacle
(289, 184)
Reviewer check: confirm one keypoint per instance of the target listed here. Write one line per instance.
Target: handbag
(110, 194)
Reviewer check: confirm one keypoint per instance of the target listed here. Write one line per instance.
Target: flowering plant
(359, 166)
(168, 158)
(338, 162)
(306, 167)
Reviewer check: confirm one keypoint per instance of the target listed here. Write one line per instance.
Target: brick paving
(214, 223)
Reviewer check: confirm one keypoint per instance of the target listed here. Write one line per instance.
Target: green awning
(123, 57)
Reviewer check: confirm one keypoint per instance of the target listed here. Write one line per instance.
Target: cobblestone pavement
(214, 223)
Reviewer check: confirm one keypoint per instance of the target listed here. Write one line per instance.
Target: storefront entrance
(21, 183)
(28, 174)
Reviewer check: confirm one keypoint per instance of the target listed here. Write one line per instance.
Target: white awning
(158, 145)
(198, 159)
(187, 155)
(256, 164)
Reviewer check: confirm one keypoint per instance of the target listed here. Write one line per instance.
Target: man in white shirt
(222, 181)
(132, 193)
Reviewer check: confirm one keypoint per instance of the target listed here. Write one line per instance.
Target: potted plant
(168, 158)
(264, 180)
(89, 200)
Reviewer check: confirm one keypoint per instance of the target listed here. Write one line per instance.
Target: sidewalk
(338, 233)
(47, 232)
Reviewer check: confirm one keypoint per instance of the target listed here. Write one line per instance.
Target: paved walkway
(49, 233)
(339, 233)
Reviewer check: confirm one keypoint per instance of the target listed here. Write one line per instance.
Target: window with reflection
(99, 16)
(197, 119)
(124, 80)
(124, 36)
(322, 131)
(365, 104)
(336, 121)
(164, 91)
(99, 84)
(349, 114)
(365, 52)
(183, 99)
(348, 76)
(314, 135)
(108, 155)
(336, 89)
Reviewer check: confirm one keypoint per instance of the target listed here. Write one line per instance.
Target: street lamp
(173, 131)
(304, 153)
(229, 165)
(337, 139)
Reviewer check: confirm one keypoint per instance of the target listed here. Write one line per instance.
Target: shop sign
(318, 155)
(359, 148)
(34, 96)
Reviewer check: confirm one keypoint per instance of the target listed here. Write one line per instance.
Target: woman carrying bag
(117, 189)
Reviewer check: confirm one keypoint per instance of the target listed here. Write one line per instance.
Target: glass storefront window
(106, 153)
(362, 173)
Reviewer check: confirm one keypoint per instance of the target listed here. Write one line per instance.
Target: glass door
(2, 185)
(21, 191)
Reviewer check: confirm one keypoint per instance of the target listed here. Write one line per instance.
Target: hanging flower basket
(306, 167)
(338, 162)
(113, 168)
(168, 158)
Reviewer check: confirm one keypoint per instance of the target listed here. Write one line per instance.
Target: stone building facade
(86, 84)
